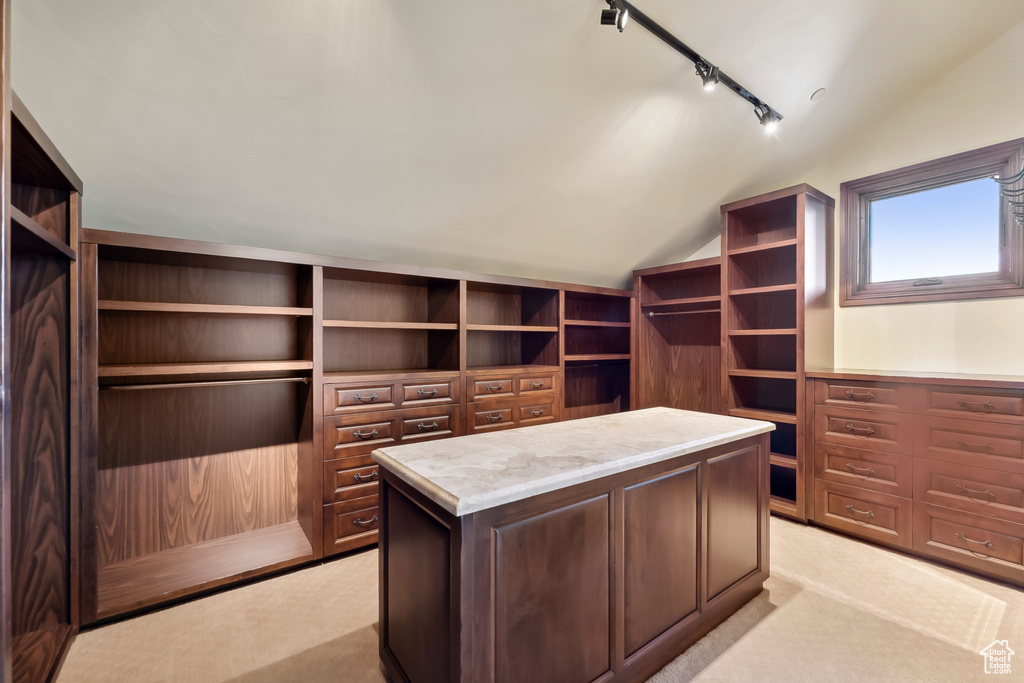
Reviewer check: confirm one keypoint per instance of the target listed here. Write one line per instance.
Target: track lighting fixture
(767, 117)
(616, 15)
(708, 75)
(620, 11)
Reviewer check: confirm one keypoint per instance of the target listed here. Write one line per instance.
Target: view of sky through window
(952, 230)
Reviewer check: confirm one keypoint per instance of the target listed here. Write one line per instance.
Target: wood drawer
(1006, 405)
(351, 437)
(985, 492)
(536, 383)
(361, 397)
(868, 514)
(970, 442)
(485, 388)
(990, 546)
(896, 398)
(345, 483)
(430, 392)
(351, 524)
(533, 413)
(882, 472)
(492, 418)
(865, 429)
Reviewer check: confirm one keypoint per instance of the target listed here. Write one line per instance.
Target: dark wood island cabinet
(591, 550)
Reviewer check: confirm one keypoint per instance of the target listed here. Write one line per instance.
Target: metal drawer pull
(362, 435)
(988, 493)
(963, 537)
(976, 447)
(535, 413)
(365, 477)
(493, 418)
(967, 405)
(860, 431)
(858, 470)
(538, 385)
(359, 521)
(863, 398)
(359, 398)
(493, 387)
(421, 393)
(421, 426)
(869, 513)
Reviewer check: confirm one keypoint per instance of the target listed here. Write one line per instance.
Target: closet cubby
(677, 336)
(511, 326)
(389, 323)
(778, 318)
(597, 353)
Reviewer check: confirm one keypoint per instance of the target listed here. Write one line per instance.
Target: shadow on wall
(352, 658)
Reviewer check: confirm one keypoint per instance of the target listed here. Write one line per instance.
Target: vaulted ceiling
(509, 137)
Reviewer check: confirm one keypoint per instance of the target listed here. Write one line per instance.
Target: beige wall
(979, 103)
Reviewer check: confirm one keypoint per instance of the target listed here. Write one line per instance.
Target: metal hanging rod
(209, 383)
(709, 73)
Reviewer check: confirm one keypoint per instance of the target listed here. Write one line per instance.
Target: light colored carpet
(834, 609)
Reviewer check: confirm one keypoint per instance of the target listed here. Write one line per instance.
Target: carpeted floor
(834, 609)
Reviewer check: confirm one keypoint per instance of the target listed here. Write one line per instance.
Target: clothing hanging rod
(209, 383)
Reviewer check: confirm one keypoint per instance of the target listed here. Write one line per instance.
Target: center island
(590, 550)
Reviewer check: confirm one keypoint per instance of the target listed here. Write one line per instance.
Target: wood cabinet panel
(423, 393)
(536, 383)
(990, 546)
(541, 607)
(354, 436)
(970, 442)
(868, 430)
(344, 483)
(896, 398)
(1000, 405)
(351, 524)
(433, 426)
(493, 417)
(869, 514)
(346, 398)
(985, 492)
(490, 388)
(661, 547)
(733, 542)
(533, 413)
(882, 472)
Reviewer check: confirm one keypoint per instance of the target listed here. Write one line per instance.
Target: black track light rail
(635, 14)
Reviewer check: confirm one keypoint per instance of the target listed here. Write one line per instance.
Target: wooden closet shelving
(511, 327)
(597, 353)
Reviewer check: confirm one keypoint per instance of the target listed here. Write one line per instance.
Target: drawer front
(490, 388)
(349, 398)
(365, 433)
(986, 404)
(970, 442)
(985, 492)
(532, 413)
(864, 429)
(496, 417)
(883, 472)
(434, 425)
(536, 383)
(430, 392)
(987, 545)
(349, 436)
(346, 483)
(867, 514)
(351, 524)
(896, 398)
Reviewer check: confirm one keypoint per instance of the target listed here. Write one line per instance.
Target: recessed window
(935, 231)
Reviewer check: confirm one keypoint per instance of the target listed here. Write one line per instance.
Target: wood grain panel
(47, 207)
(680, 362)
(868, 430)
(661, 534)
(362, 295)
(188, 278)
(36, 654)
(579, 306)
(182, 466)
(551, 593)
(970, 442)
(592, 390)
(351, 350)
(883, 472)
(972, 489)
(416, 573)
(898, 398)
(39, 542)
(733, 542)
(999, 405)
(868, 514)
(992, 547)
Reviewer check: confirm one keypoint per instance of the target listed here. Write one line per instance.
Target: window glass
(951, 230)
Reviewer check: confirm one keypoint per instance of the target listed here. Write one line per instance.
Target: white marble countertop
(467, 474)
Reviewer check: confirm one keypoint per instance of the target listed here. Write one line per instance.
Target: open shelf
(28, 236)
(690, 305)
(580, 357)
(384, 325)
(751, 355)
(592, 309)
(413, 373)
(762, 248)
(209, 309)
(766, 415)
(779, 460)
(763, 290)
(763, 223)
(595, 323)
(685, 281)
(786, 331)
(593, 389)
(770, 374)
(783, 484)
(768, 310)
(783, 439)
(512, 328)
(758, 270)
(517, 369)
(156, 577)
(230, 368)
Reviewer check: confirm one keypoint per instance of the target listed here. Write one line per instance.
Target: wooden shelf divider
(511, 328)
(213, 309)
(212, 368)
(29, 236)
(763, 290)
(768, 246)
(389, 325)
(767, 374)
(595, 323)
(579, 357)
(759, 332)
(765, 415)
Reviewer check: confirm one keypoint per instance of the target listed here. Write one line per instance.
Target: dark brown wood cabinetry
(931, 465)
(38, 539)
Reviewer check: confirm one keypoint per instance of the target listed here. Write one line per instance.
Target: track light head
(767, 117)
(615, 16)
(708, 75)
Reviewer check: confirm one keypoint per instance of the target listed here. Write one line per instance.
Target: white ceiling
(510, 137)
